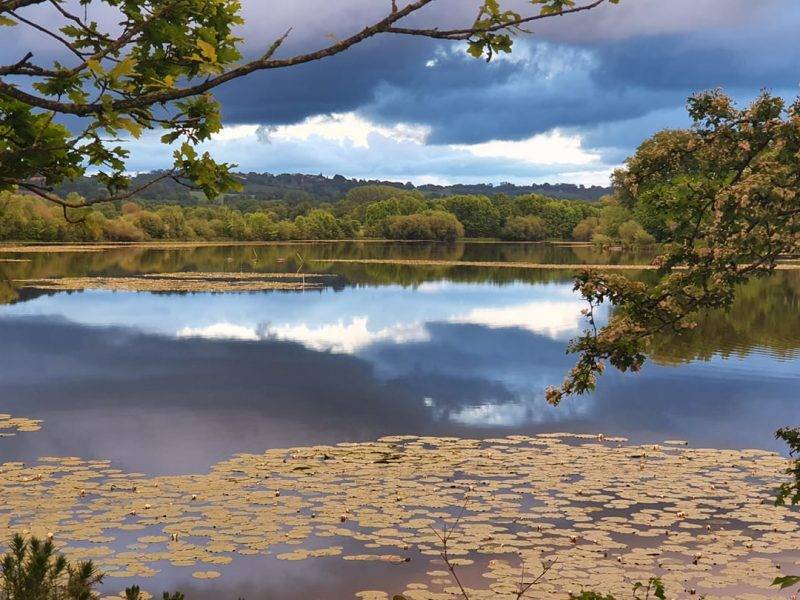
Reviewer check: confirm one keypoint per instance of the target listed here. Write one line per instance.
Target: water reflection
(291, 257)
(166, 404)
(346, 321)
(176, 382)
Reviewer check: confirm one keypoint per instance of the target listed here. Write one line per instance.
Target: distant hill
(566, 191)
(294, 188)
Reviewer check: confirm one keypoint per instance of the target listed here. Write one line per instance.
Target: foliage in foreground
(726, 196)
(33, 570)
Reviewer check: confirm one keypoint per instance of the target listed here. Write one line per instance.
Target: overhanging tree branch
(266, 62)
(151, 75)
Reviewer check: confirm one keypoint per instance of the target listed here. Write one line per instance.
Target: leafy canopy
(729, 192)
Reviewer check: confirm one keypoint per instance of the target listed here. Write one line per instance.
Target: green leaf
(126, 67)
(786, 581)
(475, 49)
(95, 66)
(130, 126)
(5, 21)
(208, 51)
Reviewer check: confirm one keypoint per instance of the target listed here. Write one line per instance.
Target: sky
(574, 99)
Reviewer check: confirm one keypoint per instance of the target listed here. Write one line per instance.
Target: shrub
(120, 230)
(477, 214)
(432, 225)
(33, 570)
(522, 229)
(630, 232)
(583, 231)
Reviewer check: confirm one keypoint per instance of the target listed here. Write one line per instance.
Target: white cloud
(551, 318)
(221, 331)
(552, 148)
(343, 128)
(352, 145)
(340, 336)
(499, 415)
(347, 338)
(590, 177)
(235, 132)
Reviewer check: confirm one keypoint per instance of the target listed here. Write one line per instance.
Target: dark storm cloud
(746, 58)
(612, 75)
(342, 83)
(546, 85)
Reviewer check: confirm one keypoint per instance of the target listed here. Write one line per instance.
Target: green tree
(584, 230)
(33, 570)
(528, 228)
(261, 226)
(477, 214)
(615, 225)
(151, 223)
(354, 203)
(630, 232)
(377, 213)
(560, 216)
(729, 188)
(318, 225)
(431, 225)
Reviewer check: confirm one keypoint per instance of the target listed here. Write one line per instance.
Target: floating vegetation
(46, 248)
(475, 263)
(606, 512)
(185, 282)
(506, 264)
(10, 425)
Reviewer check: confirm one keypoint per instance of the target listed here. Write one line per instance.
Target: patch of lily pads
(11, 425)
(599, 512)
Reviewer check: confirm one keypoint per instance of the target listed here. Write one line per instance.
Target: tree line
(371, 211)
(294, 188)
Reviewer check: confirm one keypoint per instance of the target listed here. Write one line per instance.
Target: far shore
(33, 246)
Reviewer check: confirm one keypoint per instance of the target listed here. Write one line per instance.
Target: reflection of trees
(557, 254)
(764, 315)
(623, 256)
(284, 257)
(7, 291)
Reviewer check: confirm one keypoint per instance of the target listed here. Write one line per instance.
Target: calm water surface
(172, 383)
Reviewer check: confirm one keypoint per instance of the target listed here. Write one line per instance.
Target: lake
(168, 384)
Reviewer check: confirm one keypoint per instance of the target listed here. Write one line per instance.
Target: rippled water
(172, 383)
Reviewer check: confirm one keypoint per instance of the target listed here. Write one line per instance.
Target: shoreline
(35, 247)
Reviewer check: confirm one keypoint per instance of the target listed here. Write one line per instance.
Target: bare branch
(88, 30)
(525, 587)
(48, 32)
(47, 193)
(10, 5)
(385, 25)
(462, 34)
(177, 94)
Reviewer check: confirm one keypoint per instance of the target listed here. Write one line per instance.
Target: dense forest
(296, 188)
(371, 211)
